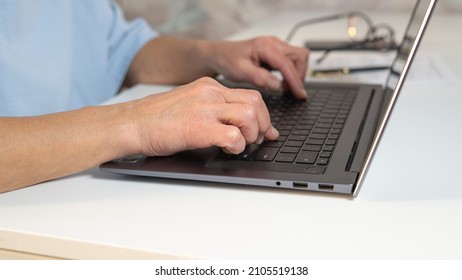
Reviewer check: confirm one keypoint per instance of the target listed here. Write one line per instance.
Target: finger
(279, 61)
(254, 128)
(299, 56)
(246, 110)
(242, 116)
(251, 106)
(261, 77)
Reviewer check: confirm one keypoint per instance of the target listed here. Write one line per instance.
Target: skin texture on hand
(243, 61)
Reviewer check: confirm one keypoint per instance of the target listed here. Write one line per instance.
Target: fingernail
(305, 93)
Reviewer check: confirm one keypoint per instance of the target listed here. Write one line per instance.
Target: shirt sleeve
(125, 39)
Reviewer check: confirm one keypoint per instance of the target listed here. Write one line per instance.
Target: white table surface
(410, 206)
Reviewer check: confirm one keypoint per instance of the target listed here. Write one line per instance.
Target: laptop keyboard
(309, 131)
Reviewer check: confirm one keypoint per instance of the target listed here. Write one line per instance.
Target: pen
(346, 70)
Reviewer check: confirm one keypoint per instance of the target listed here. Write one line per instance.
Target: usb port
(326, 187)
(300, 185)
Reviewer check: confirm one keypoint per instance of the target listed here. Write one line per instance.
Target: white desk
(410, 205)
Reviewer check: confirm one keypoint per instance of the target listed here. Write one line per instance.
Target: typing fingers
(242, 119)
(288, 68)
(250, 109)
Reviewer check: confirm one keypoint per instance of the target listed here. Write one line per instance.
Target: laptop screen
(405, 51)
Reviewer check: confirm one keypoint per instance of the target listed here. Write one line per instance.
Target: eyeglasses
(380, 37)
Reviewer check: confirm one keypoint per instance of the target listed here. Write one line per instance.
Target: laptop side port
(326, 187)
(300, 185)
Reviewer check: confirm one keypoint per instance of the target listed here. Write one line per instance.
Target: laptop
(326, 143)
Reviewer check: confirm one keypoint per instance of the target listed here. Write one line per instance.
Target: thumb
(229, 138)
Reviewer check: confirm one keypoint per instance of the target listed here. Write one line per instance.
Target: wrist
(209, 53)
(118, 130)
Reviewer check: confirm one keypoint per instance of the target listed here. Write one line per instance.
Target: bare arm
(170, 60)
(37, 149)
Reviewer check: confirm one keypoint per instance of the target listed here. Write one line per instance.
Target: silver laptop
(326, 143)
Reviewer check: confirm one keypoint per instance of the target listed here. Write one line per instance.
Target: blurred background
(217, 19)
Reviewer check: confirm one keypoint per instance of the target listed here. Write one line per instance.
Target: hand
(200, 115)
(242, 61)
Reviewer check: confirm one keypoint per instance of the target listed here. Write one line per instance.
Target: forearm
(36, 149)
(168, 60)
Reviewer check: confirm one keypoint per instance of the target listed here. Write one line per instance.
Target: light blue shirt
(58, 55)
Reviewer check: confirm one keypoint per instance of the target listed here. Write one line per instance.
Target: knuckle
(270, 38)
(263, 41)
(205, 80)
(205, 83)
(255, 98)
(206, 87)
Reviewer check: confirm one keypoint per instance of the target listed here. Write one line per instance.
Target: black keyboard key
(291, 150)
(293, 143)
(333, 136)
(324, 125)
(307, 157)
(326, 121)
(325, 154)
(288, 122)
(285, 127)
(297, 137)
(328, 148)
(331, 142)
(275, 144)
(314, 148)
(314, 141)
(307, 122)
(320, 130)
(322, 161)
(285, 157)
(328, 116)
(304, 127)
(318, 135)
(310, 117)
(248, 152)
(315, 170)
(304, 132)
(284, 132)
(266, 154)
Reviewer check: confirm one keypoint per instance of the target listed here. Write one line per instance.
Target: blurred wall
(215, 19)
